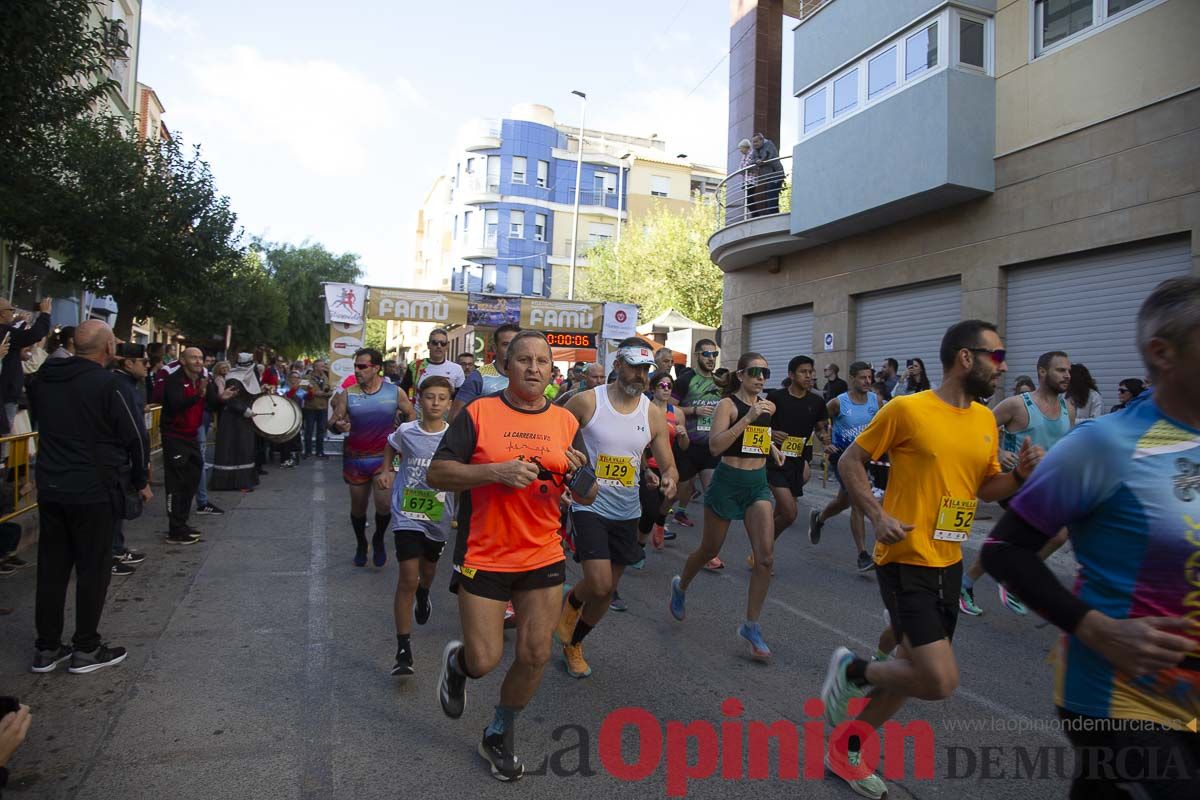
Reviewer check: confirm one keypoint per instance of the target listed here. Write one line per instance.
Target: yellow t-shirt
(937, 452)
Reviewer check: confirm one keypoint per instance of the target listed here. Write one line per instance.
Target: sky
(328, 122)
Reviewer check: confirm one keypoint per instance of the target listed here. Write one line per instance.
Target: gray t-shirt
(415, 505)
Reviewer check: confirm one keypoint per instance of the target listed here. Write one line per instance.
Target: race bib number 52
(615, 471)
(954, 519)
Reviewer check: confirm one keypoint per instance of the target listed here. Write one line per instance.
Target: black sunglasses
(997, 356)
(1122, 390)
(757, 372)
(435, 343)
(364, 366)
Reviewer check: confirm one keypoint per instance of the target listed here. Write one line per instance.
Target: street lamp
(621, 193)
(578, 178)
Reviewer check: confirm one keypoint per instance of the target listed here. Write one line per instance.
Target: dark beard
(977, 383)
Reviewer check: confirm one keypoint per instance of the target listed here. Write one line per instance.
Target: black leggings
(652, 500)
(1159, 764)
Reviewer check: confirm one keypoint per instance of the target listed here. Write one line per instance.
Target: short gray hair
(743, 143)
(524, 334)
(1171, 313)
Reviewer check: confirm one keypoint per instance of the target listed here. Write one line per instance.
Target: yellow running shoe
(565, 628)
(576, 666)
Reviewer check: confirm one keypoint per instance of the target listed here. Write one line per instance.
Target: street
(258, 668)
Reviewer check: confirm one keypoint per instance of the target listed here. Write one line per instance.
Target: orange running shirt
(502, 529)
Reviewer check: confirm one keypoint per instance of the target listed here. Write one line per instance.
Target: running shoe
(715, 564)
(683, 519)
(209, 508)
(360, 557)
(656, 537)
(565, 629)
(5, 569)
(496, 749)
(182, 538)
(48, 660)
(669, 535)
(837, 691)
(423, 607)
(121, 569)
(452, 687)
(16, 562)
(131, 557)
(966, 602)
(865, 562)
(404, 661)
(639, 564)
(1010, 600)
(752, 633)
(617, 604)
(103, 656)
(814, 526)
(510, 616)
(577, 667)
(881, 656)
(379, 554)
(871, 786)
(678, 596)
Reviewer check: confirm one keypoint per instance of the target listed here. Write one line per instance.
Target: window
(814, 110)
(491, 222)
(515, 273)
(539, 280)
(516, 224)
(539, 227)
(660, 186)
(518, 169)
(921, 51)
(1056, 21)
(543, 174)
(489, 277)
(970, 42)
(1117, 6)
(493, 173)
(603, 184)
(881, 72)
(470, 166)
(466, 223)
(454, 230)
(599, 232)
(845, 92)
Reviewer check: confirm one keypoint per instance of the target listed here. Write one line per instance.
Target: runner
(741, 437)
(943, 448)
(436, 364)
(800, 417)
(489, 378)
(655, 504)
(420, 515)
(367, 412)
(851, 412)
(618, 424)
(696, 395)
(511, 455)
(1125, 485)
(1044, 417)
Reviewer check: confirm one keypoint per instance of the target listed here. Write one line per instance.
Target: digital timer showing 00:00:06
(571, 339)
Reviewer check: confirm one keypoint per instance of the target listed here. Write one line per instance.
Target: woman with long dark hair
(1126, 391)
(1082, 392)
(741, 438)
(915, 380)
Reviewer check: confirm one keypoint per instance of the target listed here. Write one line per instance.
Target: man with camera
(130, 369)
(87, 433)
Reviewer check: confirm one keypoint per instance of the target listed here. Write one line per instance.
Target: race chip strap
(954, 519)
(615, 471)
(423, 504)
(756, 440)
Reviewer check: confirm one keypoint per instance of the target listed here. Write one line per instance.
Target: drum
(277, 419)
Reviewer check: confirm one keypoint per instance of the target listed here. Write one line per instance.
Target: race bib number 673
(423, 504)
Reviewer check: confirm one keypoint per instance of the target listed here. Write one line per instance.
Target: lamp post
(621, 194)
(578, 178)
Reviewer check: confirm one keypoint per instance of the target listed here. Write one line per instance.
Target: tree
(661, 262)
(299, 273)
(247, 299)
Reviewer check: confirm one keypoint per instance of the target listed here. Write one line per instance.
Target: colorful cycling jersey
(482, 382)
(853, 418)
(694, 390)
(372, 419)
(1127, 487)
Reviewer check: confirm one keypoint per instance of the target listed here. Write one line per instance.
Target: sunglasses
(996, 355)
(709, 353)
(1122, 390)
(364, 366)
(664, 385)
(757, 372)
(433, 343)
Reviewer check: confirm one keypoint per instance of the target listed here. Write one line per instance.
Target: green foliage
(662, 262)
(298, 272)
(245, 298)
(376, 335)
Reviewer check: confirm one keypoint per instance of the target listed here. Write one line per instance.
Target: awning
(574, 354)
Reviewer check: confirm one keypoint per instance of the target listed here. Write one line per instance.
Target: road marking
(316, 780)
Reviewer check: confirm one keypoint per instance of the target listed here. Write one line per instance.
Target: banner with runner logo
(561, 315)
(416, 305)
(620, 320)
(344, 302)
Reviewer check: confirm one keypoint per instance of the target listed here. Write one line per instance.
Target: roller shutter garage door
(1087, 306)
(779, 335)
(906, 323)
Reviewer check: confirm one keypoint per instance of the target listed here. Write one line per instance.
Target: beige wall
(1133, 178)
(1147, 57)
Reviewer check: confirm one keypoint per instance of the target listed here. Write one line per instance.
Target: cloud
(410, 97)
(327, 117)
(165, 20)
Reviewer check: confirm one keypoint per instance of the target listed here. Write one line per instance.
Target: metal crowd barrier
(21, 454)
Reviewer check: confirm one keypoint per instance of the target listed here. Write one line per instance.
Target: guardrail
(746, 193)
(21, 454)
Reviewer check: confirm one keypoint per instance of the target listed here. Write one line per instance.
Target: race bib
(793, 446)
(756, 440)
(705, 423)
(615, 471)
(426, 505)
(954, 519)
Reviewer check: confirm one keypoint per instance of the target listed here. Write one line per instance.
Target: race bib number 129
(615, 471)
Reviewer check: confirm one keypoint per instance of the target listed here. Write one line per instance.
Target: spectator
(664, 360)
(889, 374)
(1023, 384)
(130, 370)
(170, 352)
(87, 432)
(233, 459)
(834, 385)
(915, 379)
(203, 506)
(392, 371)
(467, 362)
(64, 342)
(289, 450)
(210, 362)
(20, 336)
(316, 409)
(770, 175)
(154, 358)
(1082, 392)
(592, 377)
(749, 173)
(1126, 391)
(13, 728)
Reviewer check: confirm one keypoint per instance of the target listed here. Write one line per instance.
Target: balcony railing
(747, 193)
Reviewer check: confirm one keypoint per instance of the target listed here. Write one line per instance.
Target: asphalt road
(259, 663)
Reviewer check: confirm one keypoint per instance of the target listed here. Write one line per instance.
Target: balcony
(753, 225)
(482, 134)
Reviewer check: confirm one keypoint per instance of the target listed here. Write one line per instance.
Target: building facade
(1035, 163)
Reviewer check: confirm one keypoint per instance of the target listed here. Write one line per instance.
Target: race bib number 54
(615, 471)
(954, 519)
(756, 440)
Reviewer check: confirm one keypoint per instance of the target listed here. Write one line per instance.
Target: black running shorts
(598, 538)
(502, 585)
(922, 601)
(415, 544)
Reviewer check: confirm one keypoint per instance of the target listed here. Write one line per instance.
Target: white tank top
(615, 443)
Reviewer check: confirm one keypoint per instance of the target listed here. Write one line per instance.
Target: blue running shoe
(677, 599)
(752, 633)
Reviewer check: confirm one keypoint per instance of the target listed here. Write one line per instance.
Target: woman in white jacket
(1083, 394)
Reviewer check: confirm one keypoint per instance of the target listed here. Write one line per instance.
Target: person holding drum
(421, 515)
(233, 461)
(367, 412)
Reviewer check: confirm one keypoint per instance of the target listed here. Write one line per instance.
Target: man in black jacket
(87, 432)
(12, 375)
(770, 176)
(130, 371)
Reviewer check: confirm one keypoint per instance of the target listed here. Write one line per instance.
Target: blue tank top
(372, 418)
(852, 418)
(1042, 431)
